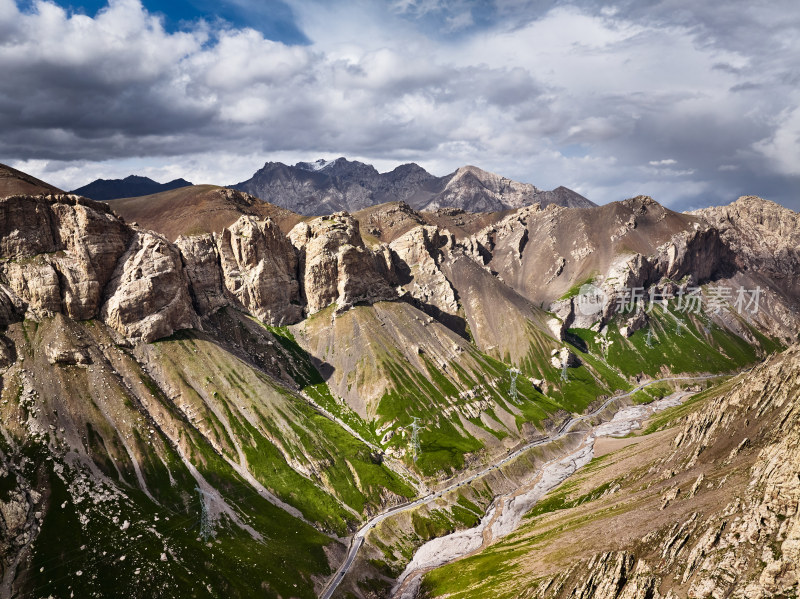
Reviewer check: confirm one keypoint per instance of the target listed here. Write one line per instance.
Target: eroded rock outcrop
(250, 265)
(693, 255)
(259, 267)
(764, 236)
(202, 263)
(335, 265)
(67, 255)
(60, 252)
(148, 294)
(417, 256)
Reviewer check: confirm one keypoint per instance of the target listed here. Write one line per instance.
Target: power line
(604, 343)
(513, 372)
(415, 438)
(206, 531)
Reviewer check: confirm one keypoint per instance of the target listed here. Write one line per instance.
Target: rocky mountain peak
(751, 201)
(472, 174)
(767, 213)
(752, 215)
(471, 188)
(764, 235)
(322, 187)
(276, 167)
(639, 202)
(317, 165)
(470, 169)
(410, 168)
(352, 171)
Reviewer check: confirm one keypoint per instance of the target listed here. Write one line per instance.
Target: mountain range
(204, 394)
(323, 187)
(103, 190)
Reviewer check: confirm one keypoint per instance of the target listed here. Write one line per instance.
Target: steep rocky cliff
(335, 265)
(68, 255)
(417, 258)
(259, 267)
(65, 254)
(250, 265)
(764, 236)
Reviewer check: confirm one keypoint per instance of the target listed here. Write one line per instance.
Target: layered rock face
(67, 255)
(259, 268)
(201, 260)
(547, 255)
(764, 236)
(335, 265)
(417, 256)
(631, 243)
(148, 294)
(535, 255)
(59, 253)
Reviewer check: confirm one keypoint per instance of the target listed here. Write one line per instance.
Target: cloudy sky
(693, 103)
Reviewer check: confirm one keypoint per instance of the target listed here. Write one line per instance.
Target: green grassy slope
(130, 451)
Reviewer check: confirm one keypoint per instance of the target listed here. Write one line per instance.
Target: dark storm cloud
(689, 104)
(170, 95)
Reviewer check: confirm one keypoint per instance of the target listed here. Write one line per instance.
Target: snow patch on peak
(317, 165)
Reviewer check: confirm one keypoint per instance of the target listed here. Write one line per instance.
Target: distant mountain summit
(323, 187)
(102, 190)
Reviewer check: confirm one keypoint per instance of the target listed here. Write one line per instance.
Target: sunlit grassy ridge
(304, 458)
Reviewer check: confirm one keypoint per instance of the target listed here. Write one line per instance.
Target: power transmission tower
(564, 371)
(678, 328)
(415, 437)
(649, 340)
(604, 343)
(206, 532)
(512, 389)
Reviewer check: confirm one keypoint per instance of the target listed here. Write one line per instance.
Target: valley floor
(704, 503)
(615, 416)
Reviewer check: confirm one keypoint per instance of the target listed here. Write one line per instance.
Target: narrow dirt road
(472, 545)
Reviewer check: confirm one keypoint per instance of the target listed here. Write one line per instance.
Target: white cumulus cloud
(574, 95)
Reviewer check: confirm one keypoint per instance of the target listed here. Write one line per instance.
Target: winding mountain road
(564, 429)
